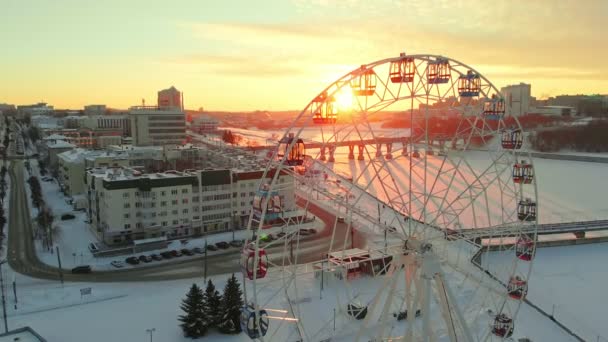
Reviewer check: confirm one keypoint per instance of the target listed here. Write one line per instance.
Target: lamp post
(151, 332)
(3, 297)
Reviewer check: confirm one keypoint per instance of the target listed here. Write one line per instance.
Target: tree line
(44, 217)
(209, 309)
(588, 138)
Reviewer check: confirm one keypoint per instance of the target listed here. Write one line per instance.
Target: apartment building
(125, 204)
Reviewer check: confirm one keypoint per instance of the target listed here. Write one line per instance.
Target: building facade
(126, 205)
(157, 126)
(517, 99)
(170, 98)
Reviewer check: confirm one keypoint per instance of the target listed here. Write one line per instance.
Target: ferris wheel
(399, 205)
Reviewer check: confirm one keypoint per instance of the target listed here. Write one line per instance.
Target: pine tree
(232, 302)
(212, 303)
(194, 322)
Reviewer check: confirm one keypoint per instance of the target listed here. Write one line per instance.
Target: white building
(204, 124)
(95, 110)
(517, 99)
(126, 205)
(553, 110)
(157, 126)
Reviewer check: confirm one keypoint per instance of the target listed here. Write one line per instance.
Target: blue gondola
(249, 324)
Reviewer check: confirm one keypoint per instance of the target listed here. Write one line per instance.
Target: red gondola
(248, 258)
(403, 70)
(523, 172)
(364, 84)
(494, 108)
(469, 85)
(503, 326)
(438, 71)
(295, 155)
(525, 248)
(325, 111)
(512, 139)
(517, 288)
(526, 210)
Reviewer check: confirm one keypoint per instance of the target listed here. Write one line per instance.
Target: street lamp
(151, 331)
(3, 298)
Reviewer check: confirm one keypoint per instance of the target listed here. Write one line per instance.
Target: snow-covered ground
(570, 281)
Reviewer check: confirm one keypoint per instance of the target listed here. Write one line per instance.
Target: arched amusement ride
(421, 231)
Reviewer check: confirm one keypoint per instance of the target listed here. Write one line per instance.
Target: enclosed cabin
(403, 70)
(325, 110)
(267, 200)
(526, 210)
(494, 108)
(503, 326)
(292, 149)
(517, 287)
(254, 265)
(523, 173)
(364, 82)
(469, 85)
(438, 71)
(525, 248)
(254, 327)
(512, 139)
(416, 154)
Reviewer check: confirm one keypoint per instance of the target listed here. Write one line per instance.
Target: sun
(344, 99)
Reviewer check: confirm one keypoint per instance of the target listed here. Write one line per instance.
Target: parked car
(67, 217)
(212, 248)
(132, 260)
(305, 232)
(166, 255)
(341, 219)
(145, 258)
(312, 231)
(236, 243)
(187, 252)
(198, 250)
(82, 269)
(176, 253)
(93, 247)
(156, 257)
(267, 237)
(117, 264)
(223, 245)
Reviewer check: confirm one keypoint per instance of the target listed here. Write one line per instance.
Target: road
(23, 259)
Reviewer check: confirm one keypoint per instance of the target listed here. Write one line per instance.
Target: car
(341, 219)
(212, 248)
(267, 237)
(166, 255)
(187, 252)
(304, 232)
(117, 264)
(198, 250)
(67, 217)
(81, 269)
(145, 258)
(93, 247)
(312, 231)
(222, 245)
(176, 253)
(236, 243)
(132, 260)
(156, 257)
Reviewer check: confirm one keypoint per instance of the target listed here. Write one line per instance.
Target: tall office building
(170, 98)
(157, 126)
(517, 98)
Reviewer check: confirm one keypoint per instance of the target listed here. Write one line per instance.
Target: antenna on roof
(143, 102)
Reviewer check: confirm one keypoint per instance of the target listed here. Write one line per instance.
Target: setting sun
(344, 99)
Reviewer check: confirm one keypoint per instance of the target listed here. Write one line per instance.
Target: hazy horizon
(277, 55)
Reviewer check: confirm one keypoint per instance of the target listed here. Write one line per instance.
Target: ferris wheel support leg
(426, 309)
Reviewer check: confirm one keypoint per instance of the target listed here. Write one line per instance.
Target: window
(163, 193)
(164, 223)
(184, 191)
(185, 200)
(175, 222)
(195, 209)
(163, 203)
(184, 220)
(125, 195)
(136, 193)
(127, 205)
(126, 216)
(138, 214)
(174, 192)
(185, 211)
(153, 214)
(174, 212)
(195, 199)
(137, 204)
(174, 202)
(138, 225)
(162, 213)
(127, 226)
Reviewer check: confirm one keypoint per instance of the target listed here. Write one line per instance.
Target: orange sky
(278, 54)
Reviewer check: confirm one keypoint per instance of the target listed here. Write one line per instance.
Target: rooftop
(55, 137)
(25, 334)
(60, 144)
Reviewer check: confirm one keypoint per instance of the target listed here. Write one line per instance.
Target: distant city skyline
(277, 55)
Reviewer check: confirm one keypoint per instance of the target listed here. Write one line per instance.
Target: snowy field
(570, 281)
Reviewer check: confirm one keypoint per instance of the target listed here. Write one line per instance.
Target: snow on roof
(118, 174)
(56, 137)
(60, 144)
(25, 334)
(78, 155)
